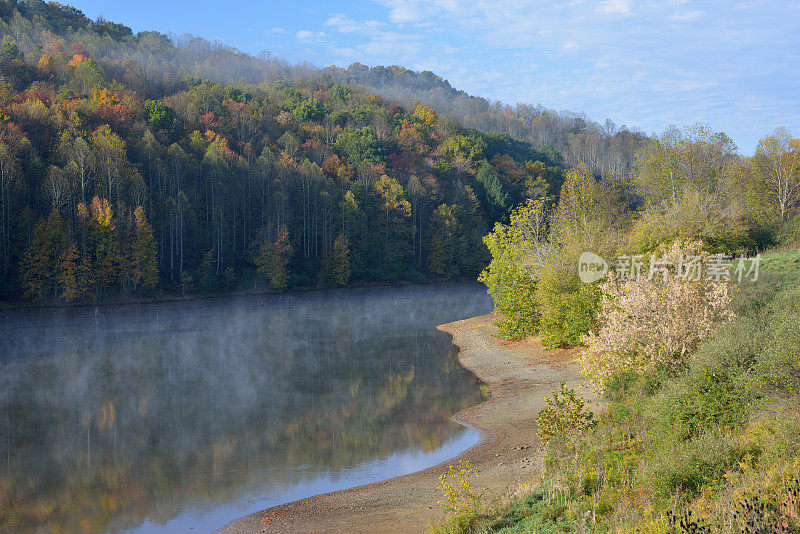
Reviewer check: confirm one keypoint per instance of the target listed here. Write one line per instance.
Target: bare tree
(777, 167)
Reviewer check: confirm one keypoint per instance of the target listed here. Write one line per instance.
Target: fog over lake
(176, 416)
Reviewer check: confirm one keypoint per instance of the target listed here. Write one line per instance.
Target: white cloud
(644, 62)
(344, 24)
(308, 36)
(615, 6)
(687, 16)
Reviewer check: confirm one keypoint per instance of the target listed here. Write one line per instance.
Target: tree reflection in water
(135, 414)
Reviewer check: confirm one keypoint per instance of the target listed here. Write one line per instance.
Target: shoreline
(260, 300)
(162, 297)
(520, 375)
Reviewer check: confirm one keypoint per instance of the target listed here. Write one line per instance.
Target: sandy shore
(520, 375)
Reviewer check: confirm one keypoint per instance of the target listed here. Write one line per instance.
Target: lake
(177, 417)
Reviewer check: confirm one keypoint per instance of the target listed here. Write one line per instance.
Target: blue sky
(734, 65)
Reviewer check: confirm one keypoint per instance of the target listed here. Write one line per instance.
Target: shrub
(457, 485)
(692, 216)
(712, 401)
(651, 323)
(778, 367)
(461, 500)
(563, 417)
(685, 467)
(568, 307)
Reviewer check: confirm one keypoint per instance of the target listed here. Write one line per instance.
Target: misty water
(179, 417)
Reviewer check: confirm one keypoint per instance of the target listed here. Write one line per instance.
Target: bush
(563, 417)
(568, 307)
(461, 500)
(778, 368)
(711, 401)
(685, 467)
(694, 215)
(457, 485)
(652, 323)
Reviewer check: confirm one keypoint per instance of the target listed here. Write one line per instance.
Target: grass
(783, 265)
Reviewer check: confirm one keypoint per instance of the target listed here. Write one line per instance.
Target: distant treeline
(164, 61)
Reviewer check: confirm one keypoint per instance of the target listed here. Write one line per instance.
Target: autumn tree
(111, 160)
(393, 228)
(105, 241)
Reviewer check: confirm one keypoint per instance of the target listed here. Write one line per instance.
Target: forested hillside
(135, 162)
(606, 148)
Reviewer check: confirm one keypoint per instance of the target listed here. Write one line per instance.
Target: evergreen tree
(491, 189)
(40, 266)
(444, 252)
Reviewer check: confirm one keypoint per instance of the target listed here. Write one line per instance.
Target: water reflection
(175, 415)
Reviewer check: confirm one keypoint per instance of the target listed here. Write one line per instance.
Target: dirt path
(520, 375)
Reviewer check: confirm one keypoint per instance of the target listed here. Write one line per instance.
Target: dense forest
(136, 162)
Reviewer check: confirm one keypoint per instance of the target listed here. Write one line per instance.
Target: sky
(646, 64)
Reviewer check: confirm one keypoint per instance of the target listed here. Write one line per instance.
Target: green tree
(446, 239)
(159, 116)
(464, 149)
(144, 253)
(207, 272)
(41, 262)
(185, 280)
(86, 75)
(584, 221)
(10, 51)
(358, 145)
(518, 250)
(309, 110)
(273, 259)
(337, 262)
(68, 273)
(491, 189)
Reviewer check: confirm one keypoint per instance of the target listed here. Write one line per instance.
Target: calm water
(184, 417)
